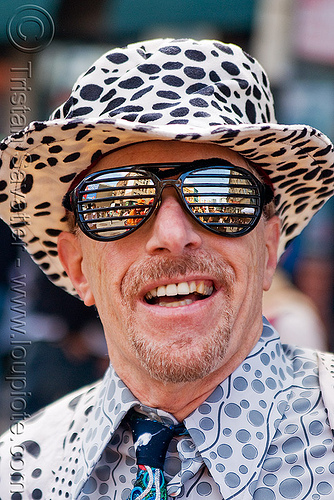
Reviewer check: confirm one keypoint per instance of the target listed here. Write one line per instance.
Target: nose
(172, 229)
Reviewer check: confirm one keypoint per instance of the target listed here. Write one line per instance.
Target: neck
(182, 398)
(178, 399)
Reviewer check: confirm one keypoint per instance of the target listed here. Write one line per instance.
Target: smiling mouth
(179, 294)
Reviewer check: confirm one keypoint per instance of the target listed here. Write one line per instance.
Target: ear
(272, 233)
(70, 255)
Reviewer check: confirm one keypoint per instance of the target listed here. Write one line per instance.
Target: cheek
(249, 263)
(93, 265)
(105, 265)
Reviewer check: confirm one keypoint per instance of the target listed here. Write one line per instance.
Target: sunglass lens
(225, 200)
(114, 203)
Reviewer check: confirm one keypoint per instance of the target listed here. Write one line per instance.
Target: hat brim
(40, 163)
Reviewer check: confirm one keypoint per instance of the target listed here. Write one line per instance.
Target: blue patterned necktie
(151, 440)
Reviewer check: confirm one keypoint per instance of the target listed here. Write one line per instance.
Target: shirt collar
(113, 401)
(232, 429)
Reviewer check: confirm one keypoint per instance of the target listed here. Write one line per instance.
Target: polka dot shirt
(263, 434)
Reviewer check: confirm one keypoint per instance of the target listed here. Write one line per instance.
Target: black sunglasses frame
(161, 179)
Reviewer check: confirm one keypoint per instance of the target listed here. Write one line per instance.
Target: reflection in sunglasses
(226, 200)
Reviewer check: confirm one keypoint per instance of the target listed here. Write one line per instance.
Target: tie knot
(151, 439)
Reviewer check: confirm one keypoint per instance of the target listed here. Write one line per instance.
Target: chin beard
(188, 359)
(174, 363)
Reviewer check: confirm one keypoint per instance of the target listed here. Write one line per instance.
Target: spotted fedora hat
(185, 90)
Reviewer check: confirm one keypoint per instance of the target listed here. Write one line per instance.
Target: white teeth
(178, 303)
(184, 288)
(171, 290)
(161, 291)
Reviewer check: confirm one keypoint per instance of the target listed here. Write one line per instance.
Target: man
(187, 126)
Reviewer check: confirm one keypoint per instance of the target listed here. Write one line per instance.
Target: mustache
(156, 268)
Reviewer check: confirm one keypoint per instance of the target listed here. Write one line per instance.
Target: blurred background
(50, 343)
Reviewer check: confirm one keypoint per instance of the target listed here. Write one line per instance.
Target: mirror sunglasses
(225, 199)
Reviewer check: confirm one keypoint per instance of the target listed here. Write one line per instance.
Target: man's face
(176, 301)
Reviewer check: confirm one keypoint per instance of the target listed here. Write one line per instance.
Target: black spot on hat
(140, 93)
(250, 111)
(224, 89)
(68, 105)
(290, 229)
(67, 178)
(179, 112)
(173, 81)
(214, 77)
(53, 232)
(312, 174)
(117, 57)
(96, 155)
(230, 68)
(27, 184)
(131, 83)
(69, 126)
(47, 139)
(111, 140)
(111, 80)
(32, 158)
(39, 126)
(108, 95)
(42, 214)
(91, 92)
(236, 110)
(52, 161)
(115, 103)
(195, 88)
(18, 207)
(178, 122)
(243, 84)
(49, 244)
(12, 162)
(55, 149)
(149, 69)
(54, 277)
(172, 50)
(84, 110)
(164, 105)
(150, 117)
(256, 92)
(201, 114)
(170, 65)
(90, 70)
(195, 55)
(40, 206)
(81, 134)
(196, 73)
(198, 102)
(168, 94)
(224, 48)
(71, 157)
